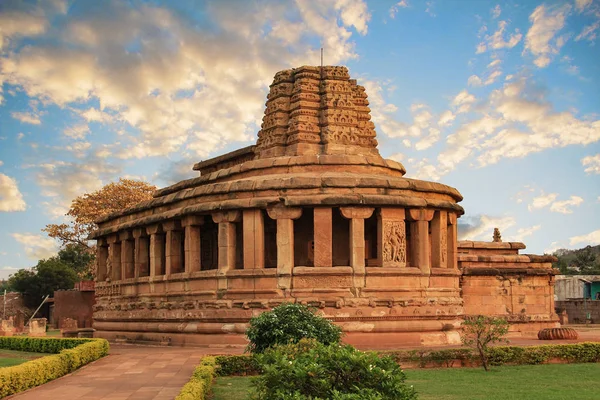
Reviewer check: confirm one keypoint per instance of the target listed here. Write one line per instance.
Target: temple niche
(311, 214)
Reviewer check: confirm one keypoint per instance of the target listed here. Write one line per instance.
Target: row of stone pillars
(405, 237)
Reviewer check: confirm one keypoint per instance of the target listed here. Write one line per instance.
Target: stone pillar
(227, 243)
(173, 245)
(439, 240)
(357, 216)
(142, 252)
(452, 244)
(285, 217)
(323, 237)
(114, 255)
(391, 237)
(419, 236)
(192, 224)
(157, 250)
(127, 254)
(102, 257)
(254, 239)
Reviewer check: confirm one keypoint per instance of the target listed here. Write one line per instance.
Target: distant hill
(585, 261)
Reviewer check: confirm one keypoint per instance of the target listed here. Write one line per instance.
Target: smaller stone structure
(498, 281)
(68, 327)
(7, 327)
(37, 327)
(76, 304)
(558, 334)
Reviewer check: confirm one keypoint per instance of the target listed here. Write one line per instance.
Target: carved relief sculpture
(394, 245)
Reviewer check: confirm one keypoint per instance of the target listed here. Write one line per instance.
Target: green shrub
(237, 365)
(40, 344)
(312, 370)
(199, 384)
(290, 323)
(71, 354)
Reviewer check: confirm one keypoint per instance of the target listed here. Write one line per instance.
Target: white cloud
(542, 201)
(20, 23)
(588, 32)
(78, 131)
(180, 80)
(395, 8)
(553, 247)
(446, 118)
(481, 227)
(592, 238)
(474, 80)
(564, 207)
(429, 8)
(1, 163)
(463, 101)
(62, 181)
(36, 246)
(540, 40)
(522, 233)
(549, 200)
(496, 11)
(496, 41)
(27, 117)
(591, 164)
(11, 198)
(581, 5)
(429, 140)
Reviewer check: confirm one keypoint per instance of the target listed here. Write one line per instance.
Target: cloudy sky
(498, 99)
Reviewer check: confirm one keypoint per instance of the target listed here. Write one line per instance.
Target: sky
(498, 99)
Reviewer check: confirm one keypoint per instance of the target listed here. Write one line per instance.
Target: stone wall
(503, 283)
(74, 304)
(577, 310)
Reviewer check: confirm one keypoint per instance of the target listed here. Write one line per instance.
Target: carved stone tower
(316, 110)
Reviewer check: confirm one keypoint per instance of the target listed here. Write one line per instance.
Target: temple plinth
(311, 214)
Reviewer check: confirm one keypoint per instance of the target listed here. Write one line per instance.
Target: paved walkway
(128, 372)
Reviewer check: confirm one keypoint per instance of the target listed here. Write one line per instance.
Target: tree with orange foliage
(88, 208)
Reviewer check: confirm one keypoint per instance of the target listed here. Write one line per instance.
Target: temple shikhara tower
(311, 214)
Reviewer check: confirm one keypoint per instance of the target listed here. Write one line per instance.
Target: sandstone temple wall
(498, 281)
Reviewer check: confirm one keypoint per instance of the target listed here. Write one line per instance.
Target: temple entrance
(371, 241)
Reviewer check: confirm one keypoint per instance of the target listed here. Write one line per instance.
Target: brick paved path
(129, 372)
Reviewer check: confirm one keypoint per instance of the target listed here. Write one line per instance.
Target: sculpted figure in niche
(394, 249)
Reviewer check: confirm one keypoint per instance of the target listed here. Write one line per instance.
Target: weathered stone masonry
(311, 214)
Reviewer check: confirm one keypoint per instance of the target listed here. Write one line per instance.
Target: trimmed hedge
(237, 365)
(499, 355)
(69, 354)
(199, 384)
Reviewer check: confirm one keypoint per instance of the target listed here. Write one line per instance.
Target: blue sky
(498, 99)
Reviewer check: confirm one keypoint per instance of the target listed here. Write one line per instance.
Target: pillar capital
(282, 212)
(154, 229)
(125, 235)
(102, 242)
(226, 216)
(139, 232)
(112, 239)
(420, 214)
(171, 225)
(192, 220)
(451, 218)
(356, 212)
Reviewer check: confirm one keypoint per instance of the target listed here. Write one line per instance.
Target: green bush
(312, 370)
(74, 354)
(237, 365)
(199, 384)
(290, 323)
(40, 344)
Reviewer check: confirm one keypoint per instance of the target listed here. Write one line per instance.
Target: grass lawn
(548, 382)
(8, 358)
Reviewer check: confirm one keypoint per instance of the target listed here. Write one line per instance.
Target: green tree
(78, 258)
(585, 261)
(43, 279)
(480, 331)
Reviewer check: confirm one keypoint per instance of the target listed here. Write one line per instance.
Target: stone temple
(312, 214)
